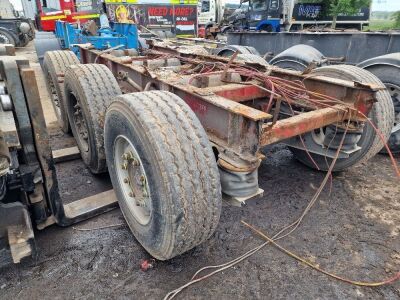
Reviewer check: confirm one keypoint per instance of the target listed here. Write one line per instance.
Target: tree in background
(396, 19)
(334, 8)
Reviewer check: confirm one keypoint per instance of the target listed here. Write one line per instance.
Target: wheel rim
(318, 136)
(132, 180)
(4, 39)
(54, 97)
(394, 91)
(80, 123)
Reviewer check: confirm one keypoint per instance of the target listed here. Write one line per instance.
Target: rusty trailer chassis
(234, 109)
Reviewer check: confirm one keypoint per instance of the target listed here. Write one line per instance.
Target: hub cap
(394, 91)
(4, 39)
(132, 179)
(54, 96)
(80, 123)
(318, 135)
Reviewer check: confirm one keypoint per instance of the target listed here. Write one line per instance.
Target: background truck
(269, 15)
(298, 16)
(46, 12)
(14, 30)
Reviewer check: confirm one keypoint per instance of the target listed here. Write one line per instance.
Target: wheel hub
(4, 39)
(80, 124)
(53, 95)
(394, 91)
(132, 179)
(318, 135)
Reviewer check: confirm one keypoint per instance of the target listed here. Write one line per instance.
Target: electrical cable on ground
(292, 228)
(281, 234)
(315, 267)
(292, 92)
(97, 228)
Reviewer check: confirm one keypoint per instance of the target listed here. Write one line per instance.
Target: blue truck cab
(265, 15)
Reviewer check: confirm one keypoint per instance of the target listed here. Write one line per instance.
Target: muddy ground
(352, 231)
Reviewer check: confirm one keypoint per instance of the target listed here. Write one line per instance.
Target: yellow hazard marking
(121, 1)
(183, 1)
(45, 18)
(161, 2)
(85, 16)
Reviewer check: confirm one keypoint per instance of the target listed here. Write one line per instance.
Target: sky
(386, 5)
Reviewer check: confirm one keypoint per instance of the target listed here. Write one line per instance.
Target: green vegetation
(396, 19)
(382, 15)
(384, 20)
(380, 25)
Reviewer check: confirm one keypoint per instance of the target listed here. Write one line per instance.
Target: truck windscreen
(259, 4)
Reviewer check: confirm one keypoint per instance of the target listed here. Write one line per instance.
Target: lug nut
(126, 180)
(131, 194)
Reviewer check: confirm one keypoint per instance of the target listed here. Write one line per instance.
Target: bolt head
(126, 180)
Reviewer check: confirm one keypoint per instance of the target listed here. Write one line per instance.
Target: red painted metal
(242, 93)
(230, 112)
(67, 13)
(302, 123)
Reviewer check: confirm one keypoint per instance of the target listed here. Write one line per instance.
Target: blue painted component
(275, 23)
(124, 35)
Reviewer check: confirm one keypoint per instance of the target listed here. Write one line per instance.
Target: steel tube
(302, 123)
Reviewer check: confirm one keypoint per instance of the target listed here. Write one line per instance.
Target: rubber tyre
(297, 58)
(180, 165)
(93, 86)
(382, 115)
(228, 51)
(55, 64)
(7, 38)
(252, 58)
(23, 41)
(389, 75)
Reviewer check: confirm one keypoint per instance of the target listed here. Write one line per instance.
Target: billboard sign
(182, 19)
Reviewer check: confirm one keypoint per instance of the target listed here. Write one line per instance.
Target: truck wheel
(163, 171)
(366, 140)
(229, 50)
(89, 90)
(252, 58)
(55, 64)
(267, 28)
(7, 38)
(298, 58)
(390, 77)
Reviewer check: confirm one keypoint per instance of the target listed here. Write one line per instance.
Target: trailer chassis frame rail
(232, 111)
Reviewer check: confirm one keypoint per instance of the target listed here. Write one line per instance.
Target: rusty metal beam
(239, 92)
(302, 123)
(236, 129)
(343, 90)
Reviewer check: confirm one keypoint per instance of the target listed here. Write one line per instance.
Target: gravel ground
(353, 230)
